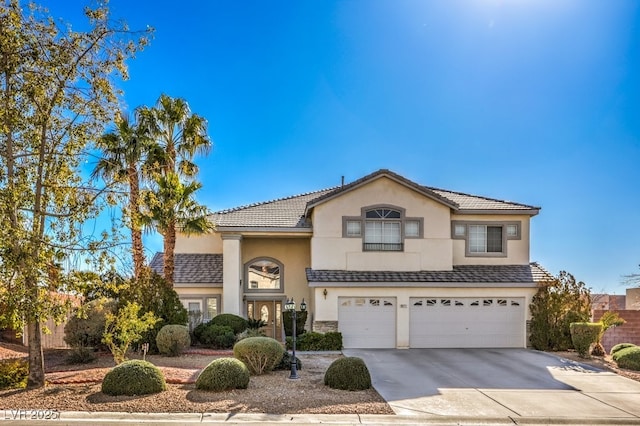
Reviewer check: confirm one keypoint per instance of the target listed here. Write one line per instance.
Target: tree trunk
(36, 358)
(137, 248)
(169, 247)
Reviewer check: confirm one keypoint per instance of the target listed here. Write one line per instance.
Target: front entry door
(269, 311)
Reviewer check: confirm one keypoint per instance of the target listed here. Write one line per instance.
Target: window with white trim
(382, 228)
(485, 238)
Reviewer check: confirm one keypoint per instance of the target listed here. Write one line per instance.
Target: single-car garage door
(465, 322)
(367, 322)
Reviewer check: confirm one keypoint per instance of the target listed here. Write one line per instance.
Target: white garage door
(449, 322)
(367, 322)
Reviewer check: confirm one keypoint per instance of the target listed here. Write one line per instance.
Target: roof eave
(422, 284)
(265, 230)
(529, 212)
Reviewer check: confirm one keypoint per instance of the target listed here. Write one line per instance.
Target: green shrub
(619, 347)
(173, 339)
(629, 358)
(312, 341)
(348, 373)
(223, 374)
(250, 332)
(285, 362)
(86, 327)
(583, 335)
(81, 355)
(13, 373)
(260, 354)
(554, 307)
(216, 336)
(154, 294)
(287, 321)
(237, 324)
(135, 377)
(255, 324)
(618, 351)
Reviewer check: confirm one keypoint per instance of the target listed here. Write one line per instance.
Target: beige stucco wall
(517, 250)
(331, 251)
(210, 243)
(294, 255)
(326, 309)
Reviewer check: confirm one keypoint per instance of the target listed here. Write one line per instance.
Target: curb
(115, 418)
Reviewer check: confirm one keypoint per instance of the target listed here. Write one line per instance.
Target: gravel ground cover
(77, 388)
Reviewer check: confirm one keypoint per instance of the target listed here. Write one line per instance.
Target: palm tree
(123, 151)
(178, 136)
(171, 205)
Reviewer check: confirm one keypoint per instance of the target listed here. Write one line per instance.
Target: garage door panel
(367, 322)
(443, 322)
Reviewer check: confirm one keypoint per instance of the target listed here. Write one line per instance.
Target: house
(386, 261)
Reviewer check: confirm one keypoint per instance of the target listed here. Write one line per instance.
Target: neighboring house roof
(608, 301)
(281, 213)
(532, 274)
(192, 268)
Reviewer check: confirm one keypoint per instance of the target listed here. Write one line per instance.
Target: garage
(367, 322)
(467, 322)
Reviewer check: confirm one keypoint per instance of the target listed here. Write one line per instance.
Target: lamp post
(290, 306)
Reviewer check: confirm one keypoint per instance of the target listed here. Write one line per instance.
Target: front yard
(271, 393)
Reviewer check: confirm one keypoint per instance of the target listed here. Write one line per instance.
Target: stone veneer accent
(325, 326)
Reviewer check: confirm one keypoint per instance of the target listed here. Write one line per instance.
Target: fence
(629, 332)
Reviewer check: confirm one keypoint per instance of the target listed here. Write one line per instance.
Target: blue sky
(534, 101)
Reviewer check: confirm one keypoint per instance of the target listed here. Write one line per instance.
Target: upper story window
(485, 238)
(263, 275)
(382, 228)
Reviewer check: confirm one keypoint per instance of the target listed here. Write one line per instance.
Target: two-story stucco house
(386, 261)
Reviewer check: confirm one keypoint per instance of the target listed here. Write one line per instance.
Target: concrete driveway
(498, 383)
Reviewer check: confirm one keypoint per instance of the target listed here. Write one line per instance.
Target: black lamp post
(290, 306)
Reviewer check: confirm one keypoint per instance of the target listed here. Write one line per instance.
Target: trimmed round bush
(135, 377)
(223, 374)
(629, 358)
(215, 336)
(260, 354)
(348, 373)
(237, 324)
(620, 346)
(173, 339)
(583, 335)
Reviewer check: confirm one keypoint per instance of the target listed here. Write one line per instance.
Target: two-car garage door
(434, 322)
(466, 322)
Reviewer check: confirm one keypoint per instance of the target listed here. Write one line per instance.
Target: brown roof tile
(193, 268)
(532, 273)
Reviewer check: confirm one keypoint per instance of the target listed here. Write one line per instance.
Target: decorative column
(232, 274)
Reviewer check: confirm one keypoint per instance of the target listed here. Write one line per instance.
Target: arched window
(264, 275)
(382, 228)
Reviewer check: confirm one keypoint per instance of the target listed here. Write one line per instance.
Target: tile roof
(281, 213)
(290, 212)
(192, 268)
(505, 274)
(476, 202)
